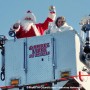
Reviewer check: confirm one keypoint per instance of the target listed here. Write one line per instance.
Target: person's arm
(71, 28)
(15, 27)
(52, 13)
(51, 17)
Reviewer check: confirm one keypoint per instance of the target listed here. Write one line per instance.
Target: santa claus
(27, 27)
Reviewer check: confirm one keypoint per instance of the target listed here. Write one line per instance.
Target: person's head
(28, 20)
(60, 21)
(29, 17)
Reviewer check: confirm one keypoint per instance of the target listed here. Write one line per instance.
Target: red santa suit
(28, 28)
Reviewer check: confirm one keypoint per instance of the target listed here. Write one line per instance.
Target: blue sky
(13, 10)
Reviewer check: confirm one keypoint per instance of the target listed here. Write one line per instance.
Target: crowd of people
(27, 27)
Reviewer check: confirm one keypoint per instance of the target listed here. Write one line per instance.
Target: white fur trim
(52, 16)
(16, 30)
(36, 30)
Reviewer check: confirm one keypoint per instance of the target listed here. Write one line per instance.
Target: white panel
(65, 53)
(40, 68)
(80, 66)
(14, 61)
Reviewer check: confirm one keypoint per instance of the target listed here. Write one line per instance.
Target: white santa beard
(26, 25)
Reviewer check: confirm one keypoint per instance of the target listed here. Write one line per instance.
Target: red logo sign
(39, 50)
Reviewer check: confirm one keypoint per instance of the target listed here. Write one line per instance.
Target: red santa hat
(30, 17)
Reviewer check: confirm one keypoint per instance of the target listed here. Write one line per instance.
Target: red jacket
(40, 28)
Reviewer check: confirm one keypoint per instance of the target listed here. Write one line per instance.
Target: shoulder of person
(68, 26)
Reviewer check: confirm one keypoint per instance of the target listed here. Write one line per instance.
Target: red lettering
(39, 50)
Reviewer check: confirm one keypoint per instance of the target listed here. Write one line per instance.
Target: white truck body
(44, 58)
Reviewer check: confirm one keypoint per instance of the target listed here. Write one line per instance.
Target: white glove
(52, 13)
(15, 27)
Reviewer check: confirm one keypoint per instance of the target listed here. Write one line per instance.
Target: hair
(61, 17)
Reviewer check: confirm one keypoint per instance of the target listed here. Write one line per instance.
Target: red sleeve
(20, 33)
(43, 26)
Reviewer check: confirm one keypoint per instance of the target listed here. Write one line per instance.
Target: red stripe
(7, 87)
(61, 79)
